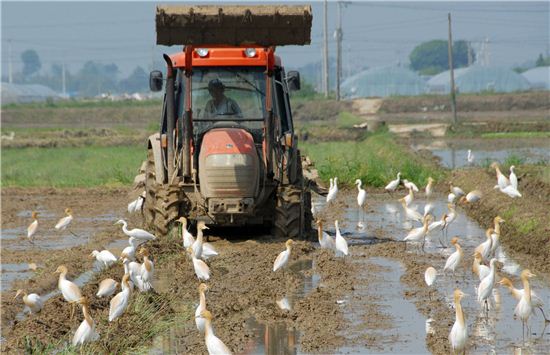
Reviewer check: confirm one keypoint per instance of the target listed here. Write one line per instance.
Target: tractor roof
(226, 56)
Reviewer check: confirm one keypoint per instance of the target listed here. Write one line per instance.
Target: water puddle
(12, 272)
(497, 333)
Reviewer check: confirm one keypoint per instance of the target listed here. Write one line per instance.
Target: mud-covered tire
(292, 213)
(162, 202)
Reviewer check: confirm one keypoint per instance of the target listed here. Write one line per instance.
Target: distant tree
(31, 62)
(138, 81)
(542, 62)
(95, 78)
(432, 57)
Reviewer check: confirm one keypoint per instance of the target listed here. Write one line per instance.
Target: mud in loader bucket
(236, 25)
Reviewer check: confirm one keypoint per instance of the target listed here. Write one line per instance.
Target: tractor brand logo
(229, 145)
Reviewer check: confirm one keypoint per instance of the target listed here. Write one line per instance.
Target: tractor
(226, 152)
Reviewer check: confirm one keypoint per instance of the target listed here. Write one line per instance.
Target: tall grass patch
(375, 160)
(71, 167)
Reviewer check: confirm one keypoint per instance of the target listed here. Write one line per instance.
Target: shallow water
(12, 272)
(499, 331)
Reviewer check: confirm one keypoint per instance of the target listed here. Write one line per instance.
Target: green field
(71, 167)
(375, 160)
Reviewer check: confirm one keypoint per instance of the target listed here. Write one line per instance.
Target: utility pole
(453, 94)
(325, 49)
(338, 35)
(63, 82)
(10, 68)
(470, 56)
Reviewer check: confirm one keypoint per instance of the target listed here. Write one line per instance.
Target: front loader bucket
(236, 25)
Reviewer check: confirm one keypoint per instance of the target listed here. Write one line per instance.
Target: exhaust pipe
(170, 116)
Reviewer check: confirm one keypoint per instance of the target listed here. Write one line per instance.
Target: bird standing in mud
(453, 261)
(133, 269)
(340, 243)
(524, 307)
(484, 249)
(137, 204)
(457, 191)
(70, 291)
(86, 331)
(509, 190)
(429, 277)
(214, 345)
(409, 198)
(147, 270)
(201, 269)
(429, 187)
(104, 258)
(411, 214)
(333, 190)
(106, 288)
(201, 249)
(119, 303)
(513, 178)
(392, 186)
(186, 236)
(502, 180)
(410, 185)
(458, 336)
(64, 222)
(325, 240)
(33, 302)
(517, 293)
(361, 201)
(419, 234)
(31, 230)
(485, 288)
(472, 197)
(470, 157)
(480, 270)
(441, 224)
(140, 234)
(130, 251)
(282, 259)
(496, 235)
(200, 321)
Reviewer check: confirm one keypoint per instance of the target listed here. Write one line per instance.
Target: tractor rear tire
(167, 207)
(289, 215)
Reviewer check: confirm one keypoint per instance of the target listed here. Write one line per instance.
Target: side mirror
(155, 80)
(293, 80)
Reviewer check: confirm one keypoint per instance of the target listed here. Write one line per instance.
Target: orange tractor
(227, 152)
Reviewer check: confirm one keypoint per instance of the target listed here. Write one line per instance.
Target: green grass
(348, 120)
(85, 103)
(516, 135)
(375, 160)
(527, 226)
(71, 167)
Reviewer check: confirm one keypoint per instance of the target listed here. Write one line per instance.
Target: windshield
(228, 94)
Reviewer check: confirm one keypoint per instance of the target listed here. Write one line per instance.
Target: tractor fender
(154, 145)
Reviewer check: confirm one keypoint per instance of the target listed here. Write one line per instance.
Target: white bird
(340, 243)
(428, 209)
(137, 204)
(86, 331)
(282, 259)
(513, 178)
(484, 249)
(410, 185)
(411, 214)
(509, 190)
(361, 194)
(197, 245)
(453, 261)
(524, 307)
(325, 240)
(459, 332)
(451, 198)
(485, 288)
(31, 230)
(409, 198)
(104, 257)
(457, 191)
(187, 237)
(451, 217)
(201, 269)
(9, 137)
(130, 251)
(106, 288)
(502, 180)
(333, 191)
(419, 234)
(393, 184)
(133, 269)
(472, 197)
(119, 303)
(147, 270)
(213, 344)
(496, 235)
(140, 234)
(429, 187)
(65, 221)
(199, 321)
(438, 225)
(430, 275)
(70, 291)
(471, 157)
(33, 302)
(478, 268)
(517, 293)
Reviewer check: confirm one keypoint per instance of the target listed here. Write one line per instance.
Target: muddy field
(374, 301)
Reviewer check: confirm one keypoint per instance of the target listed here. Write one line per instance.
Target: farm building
(382, 82)
(479, 78)
(19, 93)
(538, 78)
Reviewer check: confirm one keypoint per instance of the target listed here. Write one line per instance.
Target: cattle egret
(325, 240)
(86, 331)
(65, 221)
(70, 291)
(137, 204)
(410, 185)
(457, 191)
(130, 251)
(213, 344)
(106, 288)
(199, 321)
(147, 270)
(409, 198)
(332, 192)
(282, 259)
(517, 293)
(502, 180)
(509, 190)
(119, 303)
(33, 302)
(419, 234)
(393, 184)
(187, 237)
(513, 178)
(524, 307)
(453, 261)
(459, 332)
(485, 288)
(31, 230)
(472, 197)
(340, 243)
(133, 269)
(471, 157)
(411, 214)
(104, 257)
(480, 270)
(484, 249)
(430, 275)
(201, 269)
(140, 234)
(429, 187)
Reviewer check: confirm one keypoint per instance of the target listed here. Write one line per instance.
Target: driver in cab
(220, 104)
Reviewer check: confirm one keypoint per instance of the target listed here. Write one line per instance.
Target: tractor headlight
(202, 52)
(250, 52)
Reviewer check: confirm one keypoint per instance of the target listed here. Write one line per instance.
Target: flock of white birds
(140, 275)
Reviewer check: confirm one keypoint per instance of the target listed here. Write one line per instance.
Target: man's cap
(215, 83)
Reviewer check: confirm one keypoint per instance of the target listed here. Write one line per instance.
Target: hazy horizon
(375, 33)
